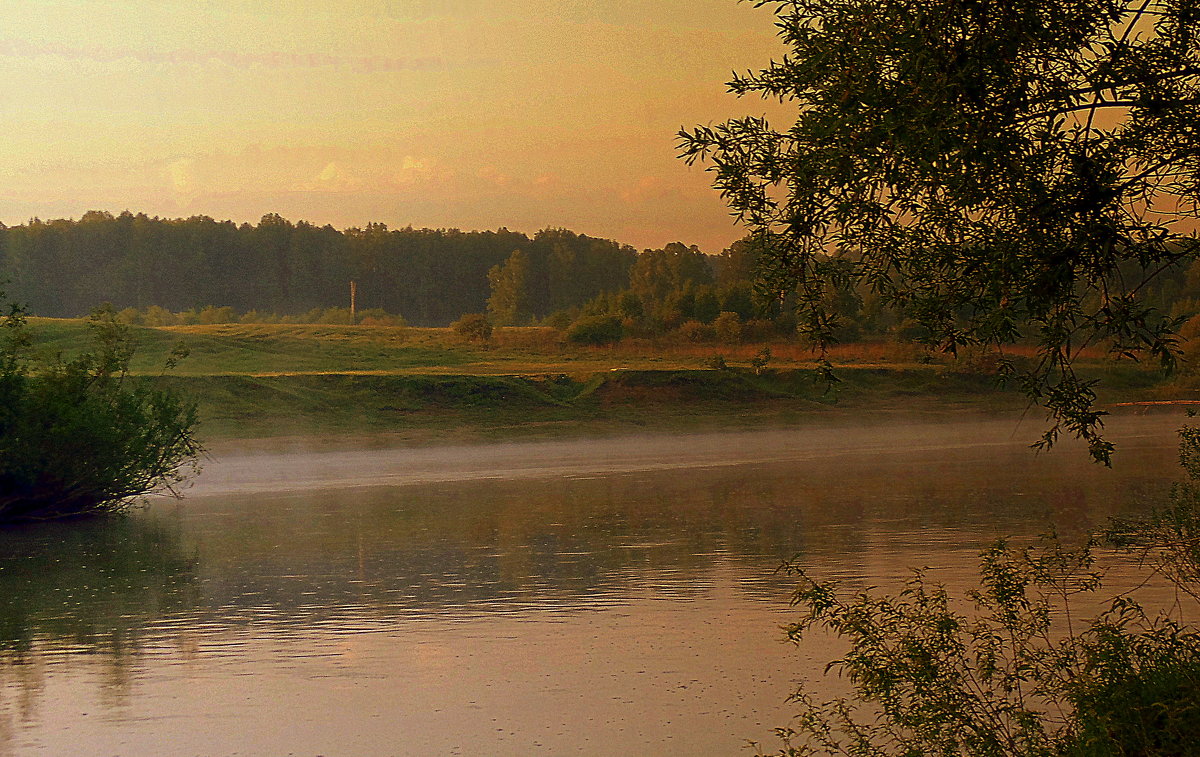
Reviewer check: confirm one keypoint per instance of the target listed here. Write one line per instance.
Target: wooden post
(353, 300)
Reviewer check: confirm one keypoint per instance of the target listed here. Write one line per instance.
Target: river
(588, 597)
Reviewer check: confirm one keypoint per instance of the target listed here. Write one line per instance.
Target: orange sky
(468, 113)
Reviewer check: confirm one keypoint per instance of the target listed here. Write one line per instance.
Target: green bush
(333, 317)
(159, 316)
(211, 314)
(560, 319)
(596, 330)
(473, 326)
(81, 436)
(728, 327)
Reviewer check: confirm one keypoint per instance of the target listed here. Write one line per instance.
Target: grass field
(418, 385)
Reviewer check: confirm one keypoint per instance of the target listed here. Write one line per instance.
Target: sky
(473, 114)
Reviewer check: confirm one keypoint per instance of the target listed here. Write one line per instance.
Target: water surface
(584, 597)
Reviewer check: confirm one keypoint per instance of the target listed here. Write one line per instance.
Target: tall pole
(353, 300)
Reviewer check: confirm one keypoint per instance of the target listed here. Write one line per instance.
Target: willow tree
(998, 171)
(82, 436)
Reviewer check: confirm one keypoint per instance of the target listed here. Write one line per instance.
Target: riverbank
(420, 386)
(420, 409)
(341, 411)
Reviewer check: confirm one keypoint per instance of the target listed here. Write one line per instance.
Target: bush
(473, 326)
(560, 319)
(695, 331)
(596, 330)
(379, 317)
(81, 436)
(1026, 673)
(159, 316)
(760, 330)
(728, 327)
(333, 317)
(760, 360)
(212, 314)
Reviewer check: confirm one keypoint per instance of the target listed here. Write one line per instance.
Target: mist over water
(598, 597)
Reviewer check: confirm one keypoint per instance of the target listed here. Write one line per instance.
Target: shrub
(596, 330)
(159, 316)
(760, 330)
(695, 331)
(728, 327)
(473, 326)
(560, 319)
(189, 317)
(760, 360)
(81, 436)
(1025, 673)
(379, 317)
(333, 317)
(212, 314)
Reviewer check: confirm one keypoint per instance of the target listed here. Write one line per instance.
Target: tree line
(66, 267)
(277, 269)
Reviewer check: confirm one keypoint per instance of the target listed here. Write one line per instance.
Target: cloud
(415, 171)
(334, 177)
(182, 174)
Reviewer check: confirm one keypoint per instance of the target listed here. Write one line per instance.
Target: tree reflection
(85, 587)
(90, 585)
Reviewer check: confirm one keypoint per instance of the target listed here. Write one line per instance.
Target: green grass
(423, 384)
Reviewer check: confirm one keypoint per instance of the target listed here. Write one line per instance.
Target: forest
(165, 271)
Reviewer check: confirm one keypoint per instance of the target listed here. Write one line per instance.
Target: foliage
(1024, 674)
(509, 304)
(728, 327)
(596, 330)
(473, 326)
(695, 331)
(156, 316)
(81, 436)
(561, 319)
(380, 317)
(760, 360)
(63, 267)
(994, 171)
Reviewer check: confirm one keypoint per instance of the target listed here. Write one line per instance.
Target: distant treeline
(431, 277)
(202, 269)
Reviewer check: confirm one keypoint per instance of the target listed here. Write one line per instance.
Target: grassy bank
(420, 385)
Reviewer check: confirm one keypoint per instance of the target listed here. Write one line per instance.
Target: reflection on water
(633, 609)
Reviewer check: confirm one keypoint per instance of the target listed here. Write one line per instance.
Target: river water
(614, 597)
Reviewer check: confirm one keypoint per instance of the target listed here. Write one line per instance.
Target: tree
(997, 171)
(509, 303)
(81, 436)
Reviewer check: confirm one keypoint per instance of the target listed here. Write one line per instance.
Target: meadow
(423, 385)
